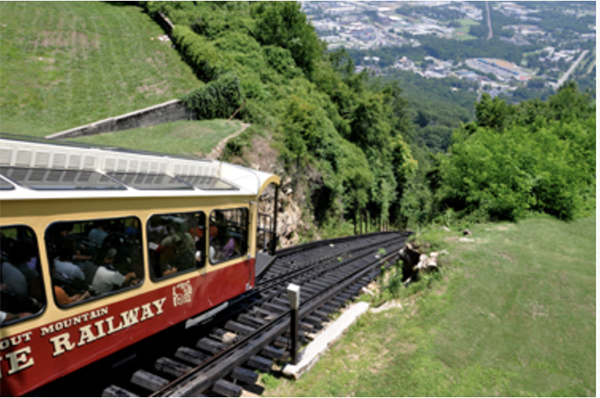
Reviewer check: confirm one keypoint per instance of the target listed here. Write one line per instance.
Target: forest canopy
(535, 156)
(341, 136)
(357, 145)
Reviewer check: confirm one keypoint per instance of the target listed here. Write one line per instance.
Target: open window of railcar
(21, 289)
(94, 258)
(228, 234)
(176, 243)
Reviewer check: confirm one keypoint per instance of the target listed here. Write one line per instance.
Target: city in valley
(498, 46)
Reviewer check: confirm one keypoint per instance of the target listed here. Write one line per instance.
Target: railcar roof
(33, 168)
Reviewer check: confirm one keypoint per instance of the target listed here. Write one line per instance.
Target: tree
(570, 103)
(492, 113)
(284, 24)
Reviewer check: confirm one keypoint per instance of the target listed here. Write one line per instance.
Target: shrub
(206, 60)
(522, 168)
(218, 99)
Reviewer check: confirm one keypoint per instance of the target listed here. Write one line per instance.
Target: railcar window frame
(101, 296)
(245, 238)
(199, 265)
(40, 272)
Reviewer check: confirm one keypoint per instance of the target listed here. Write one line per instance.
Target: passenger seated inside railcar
(181, 245)
(106, 278)
(63, 299)
(98, 234)
(63, 233)
(21, 287)
(230, 239)
(115, 265)
(64, 265)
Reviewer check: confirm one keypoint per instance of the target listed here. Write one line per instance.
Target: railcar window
(176, 243)
(93, 258)
(228, 234)
(21, 287)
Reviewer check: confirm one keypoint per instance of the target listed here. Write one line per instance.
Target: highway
(491, 34)
(571, 69)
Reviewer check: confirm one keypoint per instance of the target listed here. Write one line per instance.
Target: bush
(206, 61)
(216, 100)
(520, 169)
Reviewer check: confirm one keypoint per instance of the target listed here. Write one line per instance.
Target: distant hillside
(65, 64)
(351, 147)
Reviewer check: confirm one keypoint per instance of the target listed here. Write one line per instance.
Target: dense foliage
(218, 99)
(535, 156)
(437, 106)
(341, 136)
(356, 145)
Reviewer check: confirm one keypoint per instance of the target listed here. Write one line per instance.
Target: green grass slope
(514, 315)
(191, 138)
(64, 64)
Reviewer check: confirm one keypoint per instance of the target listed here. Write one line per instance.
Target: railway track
(219, 357)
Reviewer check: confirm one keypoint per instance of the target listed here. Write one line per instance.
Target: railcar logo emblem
(182, 293)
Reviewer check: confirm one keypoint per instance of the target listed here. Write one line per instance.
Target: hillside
(190, 138)
(516, 308)
(353, 148)
(67, 64)
(513, 314)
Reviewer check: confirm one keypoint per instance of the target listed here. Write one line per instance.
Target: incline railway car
(103, 247)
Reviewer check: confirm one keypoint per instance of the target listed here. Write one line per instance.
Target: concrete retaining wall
(163, 113)
(164, 22)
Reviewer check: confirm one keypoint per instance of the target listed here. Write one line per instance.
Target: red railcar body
(38, 356)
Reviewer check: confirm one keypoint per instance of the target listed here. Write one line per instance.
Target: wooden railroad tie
(239, 328)
(227, 389)
(172, 367)
(244, 375)
(190, 355)
(148, 380)
(260, 363)
(115, 391)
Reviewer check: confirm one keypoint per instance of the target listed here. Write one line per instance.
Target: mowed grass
(64, 64)
(193, 138)
(514, 315)
(464, 29)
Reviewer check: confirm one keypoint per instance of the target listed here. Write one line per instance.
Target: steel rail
(277, 280)
(307, 247)
(206, 374)
(254, 297)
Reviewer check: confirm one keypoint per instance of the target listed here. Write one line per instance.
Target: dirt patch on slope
(67, 39)
(262, 156)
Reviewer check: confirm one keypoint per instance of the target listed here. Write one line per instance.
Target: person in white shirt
(106, 280)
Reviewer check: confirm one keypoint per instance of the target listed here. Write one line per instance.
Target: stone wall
(164, 22)
(163, 113)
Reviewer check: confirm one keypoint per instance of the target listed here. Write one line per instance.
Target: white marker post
(293, 293)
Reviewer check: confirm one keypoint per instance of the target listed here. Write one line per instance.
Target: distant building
(342, 10)
(434, 74)
(502, 69)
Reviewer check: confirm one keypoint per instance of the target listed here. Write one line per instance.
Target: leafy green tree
(533, 157)
(493, 113)
(284, 24)
(570, 103)
(217, 99)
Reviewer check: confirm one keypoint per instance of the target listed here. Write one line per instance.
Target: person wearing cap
(106, 280)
